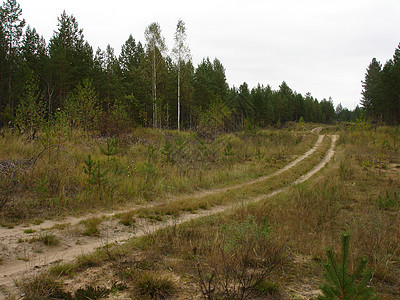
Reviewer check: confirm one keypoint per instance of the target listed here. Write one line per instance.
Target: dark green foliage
(381, 90)
(340, 284)
(139, 88)
(11, 28)
(70, 59)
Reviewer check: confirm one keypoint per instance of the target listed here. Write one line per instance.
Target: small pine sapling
(95, 175)
(228, 149)
(339, 283)
(111, 147)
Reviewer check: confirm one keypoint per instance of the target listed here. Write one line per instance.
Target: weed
(228, 151)
(61, 226)
(42, 286)
(345, 171)
(42, 185)
(237, 234)
(89, 260)
(38, 221)
(268, 288)
(90, 292)
(259, 155)
(62, 269)
(388, 201)
(127, 219)
(153, 285)
(240, 262)
(49, 239)
(28, 231)
(91, 226)
(23, 258)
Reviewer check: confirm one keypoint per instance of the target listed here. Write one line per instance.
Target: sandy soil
(23, 254)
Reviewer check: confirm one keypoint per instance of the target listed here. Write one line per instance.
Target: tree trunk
(10, 99)
(179, 97)
(155, 114)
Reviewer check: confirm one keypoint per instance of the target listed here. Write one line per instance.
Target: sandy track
(113, 232)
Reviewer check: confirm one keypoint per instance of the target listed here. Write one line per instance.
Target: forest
(42, 82)
(381, 90)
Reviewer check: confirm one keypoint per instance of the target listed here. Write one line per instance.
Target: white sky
(317, 46)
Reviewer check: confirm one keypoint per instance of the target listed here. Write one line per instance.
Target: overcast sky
(317, 46)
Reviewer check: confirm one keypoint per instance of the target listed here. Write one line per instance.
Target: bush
(238, 264)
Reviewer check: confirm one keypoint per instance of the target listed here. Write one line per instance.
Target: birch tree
(181, 53)
(155, 44)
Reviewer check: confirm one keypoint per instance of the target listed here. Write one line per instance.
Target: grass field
(273, 248)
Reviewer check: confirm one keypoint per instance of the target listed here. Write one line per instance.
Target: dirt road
(22, 258)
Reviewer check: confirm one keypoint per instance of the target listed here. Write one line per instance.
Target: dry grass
(274, 248)
(147, 165)
(304, 221)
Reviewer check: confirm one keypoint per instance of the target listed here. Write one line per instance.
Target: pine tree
(245, 105)
(130, 58)
(113, 72)
(203, 84)
(339, 283)
(12, 26)
(370, 97)
(3, 71)
(71, 58)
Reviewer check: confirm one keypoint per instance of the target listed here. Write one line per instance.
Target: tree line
(381, 90)
(143, 86)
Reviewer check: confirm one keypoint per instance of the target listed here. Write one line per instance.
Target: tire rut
(14, 269)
